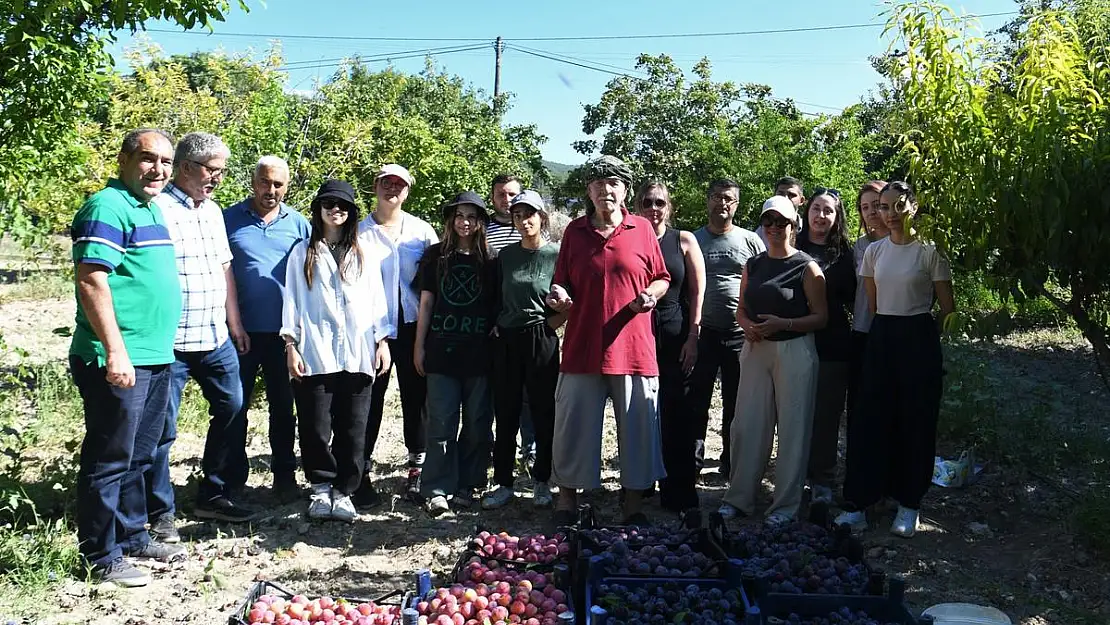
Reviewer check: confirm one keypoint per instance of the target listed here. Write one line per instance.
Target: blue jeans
(217, 373)
(457, 459)
(122, 426)
(267, 353)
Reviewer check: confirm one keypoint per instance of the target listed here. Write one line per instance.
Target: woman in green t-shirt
(526, 350)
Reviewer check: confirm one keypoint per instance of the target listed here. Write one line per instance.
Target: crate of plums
(665, 601)
(798, 558)
(814, 609)
(518, 596)
(492, 557)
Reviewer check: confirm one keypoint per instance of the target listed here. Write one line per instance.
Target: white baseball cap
(781, 205)
(393, 169)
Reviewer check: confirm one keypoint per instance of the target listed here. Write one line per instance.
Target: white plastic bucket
(966, 614)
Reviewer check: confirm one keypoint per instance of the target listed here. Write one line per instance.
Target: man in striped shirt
(500, 233)
(210, 336)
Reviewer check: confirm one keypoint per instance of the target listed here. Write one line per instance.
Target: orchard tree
(53, 68)
(1010, 153)
(687, 132)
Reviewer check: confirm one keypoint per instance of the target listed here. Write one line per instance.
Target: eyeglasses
(823, 190)
(213, 172)
(727, 200)
(777, 222)
(331, 204)
(657, 202)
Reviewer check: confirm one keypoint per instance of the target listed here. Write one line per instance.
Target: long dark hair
(450, 243)
(836, 242)
(348, 243)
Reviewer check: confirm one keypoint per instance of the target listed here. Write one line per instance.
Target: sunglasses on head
(333, 204)
(774, 220)
(823, 190)
(657, 203)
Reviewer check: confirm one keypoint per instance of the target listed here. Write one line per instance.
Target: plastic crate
(562, 582)
(840, 541)
(400, 598)
(516, 562)
(594, 614)
(891, 608)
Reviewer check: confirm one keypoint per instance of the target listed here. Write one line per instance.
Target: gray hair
(200, 147)
(131, 139)
(271, 162)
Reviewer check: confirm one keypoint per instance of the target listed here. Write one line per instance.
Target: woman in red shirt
(609, 273)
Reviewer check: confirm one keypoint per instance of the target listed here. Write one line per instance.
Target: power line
(551, 56)
(574, 58)
(325, 63)
(319, 37)
(380, 56)
(738, 33)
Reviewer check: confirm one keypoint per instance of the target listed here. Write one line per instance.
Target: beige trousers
(778, 384)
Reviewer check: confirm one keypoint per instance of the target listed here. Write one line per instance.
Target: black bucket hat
(338, 190)
(466, 197)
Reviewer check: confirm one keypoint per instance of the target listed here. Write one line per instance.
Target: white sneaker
(319, 503)
(820, 494)
(497, 498)
(856, 521)
(727, 511)
(342, 508)
(905, 523)
(541, 495)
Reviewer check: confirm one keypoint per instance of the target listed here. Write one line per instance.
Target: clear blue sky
(827, 68)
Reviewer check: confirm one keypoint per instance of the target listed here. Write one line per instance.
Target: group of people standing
(797, 321)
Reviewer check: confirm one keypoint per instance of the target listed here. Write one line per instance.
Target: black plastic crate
(594, 614)
(838, 541)
(568, 537)
(399, 598)
(561, 581)
(775, 609)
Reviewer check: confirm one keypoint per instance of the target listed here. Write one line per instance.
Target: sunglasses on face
(823, 190)
(329, 204)
(656, 203)
(777, 222)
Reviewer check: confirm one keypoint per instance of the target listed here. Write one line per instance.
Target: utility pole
(498, 47)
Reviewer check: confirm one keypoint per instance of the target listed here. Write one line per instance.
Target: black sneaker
(121, 573)
(285, 489)
(222, 509)
(366, 496)
(164, 530)
(159, 551)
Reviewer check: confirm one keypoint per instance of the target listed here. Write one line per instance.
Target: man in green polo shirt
(128, 305)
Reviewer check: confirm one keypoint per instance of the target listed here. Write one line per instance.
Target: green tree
(53, 68)
(687, 132)
(1011, 152)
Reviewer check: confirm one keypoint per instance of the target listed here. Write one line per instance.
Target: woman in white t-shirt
(892, 438)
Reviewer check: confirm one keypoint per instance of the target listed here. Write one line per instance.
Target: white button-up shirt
(200, 242)
(400, 261)
(338, 322)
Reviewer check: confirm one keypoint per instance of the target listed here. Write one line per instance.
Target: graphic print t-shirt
(462, 316)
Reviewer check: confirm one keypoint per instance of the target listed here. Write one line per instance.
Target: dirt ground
(1006, 541)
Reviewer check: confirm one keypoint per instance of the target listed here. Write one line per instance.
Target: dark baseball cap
(338, 190)
(466, 197)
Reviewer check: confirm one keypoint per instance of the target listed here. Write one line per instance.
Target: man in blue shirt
(261, 231)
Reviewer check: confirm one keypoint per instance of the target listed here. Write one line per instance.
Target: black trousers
(332, 411)
(524, 358)
(678, 431)
(892, 436)
(414, 393)
(832, 388)
(717, 352)
(855, 372)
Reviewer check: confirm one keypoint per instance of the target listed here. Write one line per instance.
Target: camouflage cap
(606, 166)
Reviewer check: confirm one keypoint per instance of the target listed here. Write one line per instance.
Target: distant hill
(558, 171)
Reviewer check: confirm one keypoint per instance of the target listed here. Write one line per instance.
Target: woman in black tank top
(782, 300)
(677, 318)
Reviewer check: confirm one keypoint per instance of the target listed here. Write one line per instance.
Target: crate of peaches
(269, 603)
